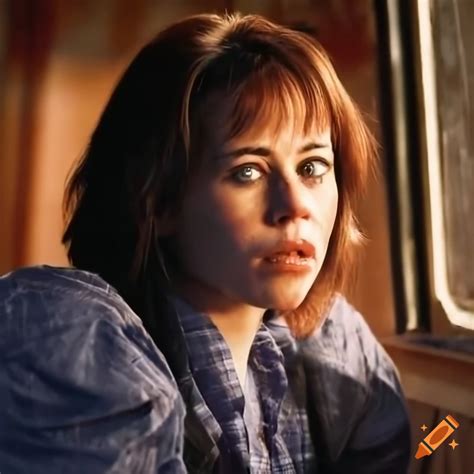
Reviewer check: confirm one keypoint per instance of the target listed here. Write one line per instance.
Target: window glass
(453, 42)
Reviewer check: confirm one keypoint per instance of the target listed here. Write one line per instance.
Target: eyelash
(318, 179)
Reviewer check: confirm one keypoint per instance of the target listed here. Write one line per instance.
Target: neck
(237, 322)
(238, 328)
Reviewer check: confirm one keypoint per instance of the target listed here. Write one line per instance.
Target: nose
(288, 202)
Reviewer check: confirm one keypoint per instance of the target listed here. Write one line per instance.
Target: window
(427, 95)
(447, 71)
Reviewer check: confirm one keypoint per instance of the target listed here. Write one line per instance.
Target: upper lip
(302, 247)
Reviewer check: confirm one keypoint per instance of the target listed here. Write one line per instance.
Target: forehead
(282, 135)
(228, 122)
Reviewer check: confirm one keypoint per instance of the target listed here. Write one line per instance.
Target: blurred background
(59, 61)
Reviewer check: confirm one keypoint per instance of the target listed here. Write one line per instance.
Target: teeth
(291, 259)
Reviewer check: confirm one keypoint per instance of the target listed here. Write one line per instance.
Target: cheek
(333, 208)
(216, 225)
(234, 213)
(326, 203)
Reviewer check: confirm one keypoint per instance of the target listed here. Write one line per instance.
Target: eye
(314, 168)
(246, 174)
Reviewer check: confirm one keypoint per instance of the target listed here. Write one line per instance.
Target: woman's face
(256, 219)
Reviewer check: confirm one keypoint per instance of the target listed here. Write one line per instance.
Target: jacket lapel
(201, 430)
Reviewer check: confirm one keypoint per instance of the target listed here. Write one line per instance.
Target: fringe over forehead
(266, 74)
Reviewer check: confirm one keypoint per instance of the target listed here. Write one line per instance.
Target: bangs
(205, 79)
(277, 98)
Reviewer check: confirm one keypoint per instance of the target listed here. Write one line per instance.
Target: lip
(302, 247)
(294, 256)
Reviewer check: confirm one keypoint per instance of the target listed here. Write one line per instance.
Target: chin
(282, 302)
(286, 295)
(283, 308)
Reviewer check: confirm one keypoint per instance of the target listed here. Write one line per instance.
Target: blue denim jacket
(84, 389)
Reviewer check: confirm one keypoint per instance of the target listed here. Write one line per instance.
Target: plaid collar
(222, 403)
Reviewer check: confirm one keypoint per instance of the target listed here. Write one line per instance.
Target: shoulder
(47, 302)
(55, 292)
(80, 373)
(353, 384)
(59, 307)
(345, 342)
(69, 336)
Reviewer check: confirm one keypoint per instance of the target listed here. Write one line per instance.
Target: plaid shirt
(285, 427)
(84, 388)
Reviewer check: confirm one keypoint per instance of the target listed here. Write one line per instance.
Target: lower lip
(302, 265)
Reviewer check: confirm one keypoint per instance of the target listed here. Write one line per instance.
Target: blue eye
(247, 174)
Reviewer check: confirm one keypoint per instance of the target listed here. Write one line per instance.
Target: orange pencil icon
(436, 436)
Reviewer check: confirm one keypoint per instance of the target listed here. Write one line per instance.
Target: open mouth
(292, 258)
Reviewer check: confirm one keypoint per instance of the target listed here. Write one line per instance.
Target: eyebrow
(263, 151)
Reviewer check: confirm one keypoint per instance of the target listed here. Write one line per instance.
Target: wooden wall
(58, 63)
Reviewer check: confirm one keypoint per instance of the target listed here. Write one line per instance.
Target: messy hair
(145, 147)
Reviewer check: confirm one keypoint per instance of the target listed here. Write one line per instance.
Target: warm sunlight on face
(257, 217)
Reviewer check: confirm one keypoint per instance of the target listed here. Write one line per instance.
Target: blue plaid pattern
(213, 371)
(84, 388)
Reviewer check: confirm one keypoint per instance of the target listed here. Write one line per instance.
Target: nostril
(284, 219)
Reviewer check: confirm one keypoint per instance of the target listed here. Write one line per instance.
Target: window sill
(433, 375)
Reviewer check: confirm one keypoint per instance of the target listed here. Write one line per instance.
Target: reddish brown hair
(145, 146)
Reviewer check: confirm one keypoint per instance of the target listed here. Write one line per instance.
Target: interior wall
(58, 64)
(445, 460)
(52, 108)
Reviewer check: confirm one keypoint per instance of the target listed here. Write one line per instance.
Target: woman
(215, 201)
